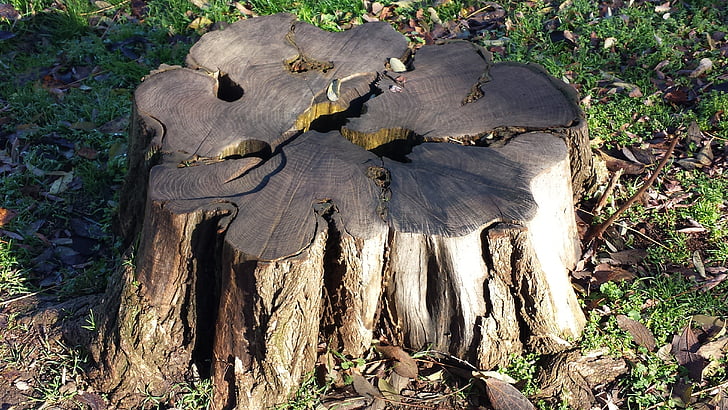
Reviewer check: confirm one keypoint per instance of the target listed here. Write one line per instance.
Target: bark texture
(298, 190)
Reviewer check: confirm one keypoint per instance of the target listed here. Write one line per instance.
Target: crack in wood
(302, 63)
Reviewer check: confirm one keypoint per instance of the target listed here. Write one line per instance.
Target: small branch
(596, 231)
(607, 192)
(27, 295)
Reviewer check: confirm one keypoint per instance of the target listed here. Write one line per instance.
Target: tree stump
(291, 186)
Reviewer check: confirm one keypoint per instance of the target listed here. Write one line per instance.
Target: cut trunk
(298, 190)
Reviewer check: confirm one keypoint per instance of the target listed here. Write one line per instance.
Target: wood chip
(397, 65)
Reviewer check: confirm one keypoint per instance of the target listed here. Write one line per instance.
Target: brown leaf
(714, 350)
(685, 348)
(636, 93)
(679, 95)
(629, 256)
(93, 400)
(614, 164)
(607, 273)
(694, 133)
(7, 11)
(639, 332)
(88, 153)
(405, 366)
(504, 396)
(705, 155)
(6, 215)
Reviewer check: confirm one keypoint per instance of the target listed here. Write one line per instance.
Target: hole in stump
(227, 89)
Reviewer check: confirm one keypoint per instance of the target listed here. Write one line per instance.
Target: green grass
(665, 304)
(13, 278)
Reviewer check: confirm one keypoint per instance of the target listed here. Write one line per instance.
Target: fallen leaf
(386, 388)
(6, 215)
(504, 396)
(61, 184)
(705, 155)
(684, 348)
(711, 283)
(607, 273)
(663, 8)
(93, 400)
(704, 65)
(629, 256)
(363, 387)
(713, 326)
(200, 23)
(405, 366)
(203, 4)
(714, 350)
(484, 375)
(243, 8)
(635, 93)
(628, 167)
(7, 11)
(86, 152)
(698, 263)
(639, 332)
(609, 42)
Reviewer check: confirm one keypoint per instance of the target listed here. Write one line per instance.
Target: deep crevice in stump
(297, 191)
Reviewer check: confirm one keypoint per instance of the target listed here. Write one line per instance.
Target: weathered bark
(294, 190)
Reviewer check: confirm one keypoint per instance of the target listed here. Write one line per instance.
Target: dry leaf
(503, 396)
(93, 400)
(405, 366)
(200, 22)
(386, 388)
(86, 152)
(629, 256)
(607, 273)
(6, 215)
(713, 326)
(614, 164)
(663, 8)
(363, 387)
(714, 350)
(61, 184)
(203, 4)
(484, 375)
(704, 65)
(705, 155)
(609, 42)
(684, 347)
(639, 332)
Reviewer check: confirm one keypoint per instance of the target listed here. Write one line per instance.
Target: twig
(607, 191)
(629, 228)
(596, 231)
(27, 295)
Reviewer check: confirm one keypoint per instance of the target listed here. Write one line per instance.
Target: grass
(72, 68)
